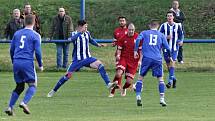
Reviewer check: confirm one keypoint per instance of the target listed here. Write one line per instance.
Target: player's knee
(68, 75)
(19, 88)
(100, 66)
(140, 78)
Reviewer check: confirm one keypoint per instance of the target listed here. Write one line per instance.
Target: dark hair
(29, 19)
(170, 12)
(154, 22)
(121, 17)
(82, 22)
(27, 3)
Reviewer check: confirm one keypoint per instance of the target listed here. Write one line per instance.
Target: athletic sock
(14, 97)
(61, 81)
(138, 87)
(103, 74)
(29, 94)
(161, 87)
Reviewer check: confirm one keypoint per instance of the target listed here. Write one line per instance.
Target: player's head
(82, 25)
(16, 13)
(131, 29)
(61, 12)
(175, 4)
(122, 21)
(29, 20)
(27, 8)
(154, 24)
(170, 16)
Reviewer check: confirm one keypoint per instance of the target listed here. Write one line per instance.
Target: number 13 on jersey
(153, 39)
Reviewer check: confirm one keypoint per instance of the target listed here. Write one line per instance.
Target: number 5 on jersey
(153, 39)
(22, 42)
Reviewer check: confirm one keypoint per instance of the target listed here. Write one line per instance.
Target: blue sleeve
(139, 38)
(12, 48)
(161, 29)
(180, 34)
(165, 45)
(75, 36)
(92, 41)
(38, 52)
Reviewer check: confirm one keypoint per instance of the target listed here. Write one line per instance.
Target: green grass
(197, 57)
(84, 98)
(102, 14)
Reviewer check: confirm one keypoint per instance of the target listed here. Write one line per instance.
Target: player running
(125, 55)
(24, 44)
(82, 57)
(174, 34)
(153, 41)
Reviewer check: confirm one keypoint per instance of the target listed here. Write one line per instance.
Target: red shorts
(128, 66)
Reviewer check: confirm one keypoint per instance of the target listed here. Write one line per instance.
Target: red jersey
(126, 44)
(120, 32)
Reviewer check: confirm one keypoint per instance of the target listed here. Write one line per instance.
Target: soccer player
(119, 32)
(153, 41)
(125, 55)
(82, 57)
(174, 34)
(24, 44)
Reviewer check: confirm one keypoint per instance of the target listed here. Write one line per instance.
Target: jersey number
(22, 42)
(153, 39)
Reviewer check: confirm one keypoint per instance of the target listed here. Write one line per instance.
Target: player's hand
(171, 60)
(102, 45)
(41, 68)
(114, 42)
(139, 62)
(48, 39)
(180, 43)
(136, 55)
(117, 57)
(169, 37)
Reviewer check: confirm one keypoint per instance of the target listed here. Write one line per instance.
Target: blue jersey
(153, 41)
(24, 44)
(175, 31)
(81, 45)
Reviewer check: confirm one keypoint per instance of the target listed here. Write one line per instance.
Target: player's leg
(65, 54)
(30, 78)
(130, 73)
(180, 55)
(172, 78)
(75, 65)
(14, 97)
(97, 64)
(145, 66)
(59, 48)
(118, 75)
(20, 86)
(157, 71)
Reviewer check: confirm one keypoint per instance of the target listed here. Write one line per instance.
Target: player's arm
(93, 42)
(180, 35)
(38, 52)
(166, 46)
(74, 36)
(119, 48)
(12, 48)
(138, 40)
(161, 29)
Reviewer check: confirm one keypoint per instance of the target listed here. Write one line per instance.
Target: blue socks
(29, 94)
(103, 74)
(171, 74)
(13, 99)
(139, 84)
(161, 87)
(61, 81)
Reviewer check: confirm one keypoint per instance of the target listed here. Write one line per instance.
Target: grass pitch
(84, 98)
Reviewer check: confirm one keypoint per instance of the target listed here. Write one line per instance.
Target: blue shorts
(24, 71)
(174, 55)
(75, 65)
(148, 63)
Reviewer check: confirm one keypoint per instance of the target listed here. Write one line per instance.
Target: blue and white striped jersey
(81, 45)
(175, 31)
